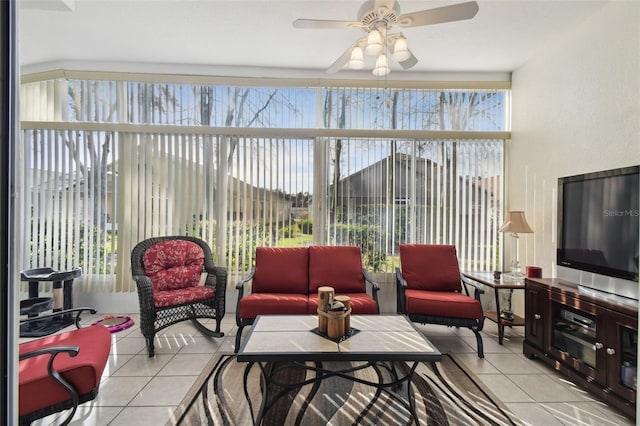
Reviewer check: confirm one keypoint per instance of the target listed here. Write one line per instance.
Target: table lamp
(515, 223)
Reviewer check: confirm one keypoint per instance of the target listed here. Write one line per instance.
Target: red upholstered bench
(77, 357)
(285, 281)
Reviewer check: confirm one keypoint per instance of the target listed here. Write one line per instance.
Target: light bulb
(400, 50)
(382, 66)
(374, 43)
(356, 62)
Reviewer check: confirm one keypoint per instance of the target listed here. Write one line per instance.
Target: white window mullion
(129, 230)
(480, 224)
(150, 148)
(234, 198)
(222, 198)
(465, 212)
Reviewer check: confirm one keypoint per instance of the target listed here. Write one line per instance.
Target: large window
(108, 163)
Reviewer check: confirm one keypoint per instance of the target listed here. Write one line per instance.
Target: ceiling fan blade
(325, 24)
(409, 62)
(387, 4)
(456, 12)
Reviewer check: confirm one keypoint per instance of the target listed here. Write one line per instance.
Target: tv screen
(599, 222)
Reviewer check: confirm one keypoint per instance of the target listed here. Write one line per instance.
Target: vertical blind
(385, 193)
(97, 178)
(193, 104)
(66, 211)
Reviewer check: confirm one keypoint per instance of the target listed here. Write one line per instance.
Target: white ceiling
(135, 35)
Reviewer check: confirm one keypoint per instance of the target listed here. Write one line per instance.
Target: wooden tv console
(589, 336)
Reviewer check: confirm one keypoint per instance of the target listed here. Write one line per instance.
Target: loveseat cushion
(281, 270)
(442, 304)
(339, 267)
(361, 304)
(256, 304)
(430, 267)
(172, 265)
(37, 390)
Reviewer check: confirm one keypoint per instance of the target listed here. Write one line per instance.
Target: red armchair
(58, 372)
(429, 289)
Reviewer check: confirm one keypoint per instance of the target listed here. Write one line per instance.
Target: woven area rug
(443, 393)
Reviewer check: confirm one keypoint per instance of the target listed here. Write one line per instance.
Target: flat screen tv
(599, 222)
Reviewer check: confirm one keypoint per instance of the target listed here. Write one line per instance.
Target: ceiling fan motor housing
(374, 12)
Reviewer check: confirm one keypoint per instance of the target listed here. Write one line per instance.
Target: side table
(504, 283)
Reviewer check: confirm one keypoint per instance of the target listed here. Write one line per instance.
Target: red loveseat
(285, 281)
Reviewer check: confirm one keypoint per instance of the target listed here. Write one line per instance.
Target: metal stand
(62, 289)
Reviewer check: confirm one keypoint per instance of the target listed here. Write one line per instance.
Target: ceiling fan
(376, 18)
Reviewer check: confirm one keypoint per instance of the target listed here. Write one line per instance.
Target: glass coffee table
(376, 340)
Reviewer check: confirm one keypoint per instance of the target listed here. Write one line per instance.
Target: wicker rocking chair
(167, 271)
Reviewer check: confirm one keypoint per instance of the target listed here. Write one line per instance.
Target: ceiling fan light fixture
(357, 58)
(382, 66)
(374, 43)
(376, 18)
(400, 50)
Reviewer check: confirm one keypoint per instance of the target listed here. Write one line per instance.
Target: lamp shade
(382, 66)
(516, 222)
(400, 50)
(357, 58)
(374, 43)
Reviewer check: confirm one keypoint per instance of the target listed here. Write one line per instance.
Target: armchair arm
(78, 311)
(245, 280)
(217, 277)
(478, 288)
(53, 351)
(50, 350)
(375, 287)
(401, 286)
(145, 295)
(240, 287)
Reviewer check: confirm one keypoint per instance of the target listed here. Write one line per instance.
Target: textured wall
(576, 109)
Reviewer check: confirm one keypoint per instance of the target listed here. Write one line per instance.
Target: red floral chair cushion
(182, 296)
(174, 268)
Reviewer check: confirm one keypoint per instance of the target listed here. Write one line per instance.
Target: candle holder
(505, 305)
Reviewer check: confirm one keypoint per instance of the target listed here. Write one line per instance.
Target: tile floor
(138, 390)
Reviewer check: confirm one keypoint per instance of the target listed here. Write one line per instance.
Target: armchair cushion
(447, 304)
(281, 270)
(339, 267)
(173, 265)
(38, 390)
(430, 267)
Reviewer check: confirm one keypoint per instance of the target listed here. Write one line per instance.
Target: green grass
(300, 240)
